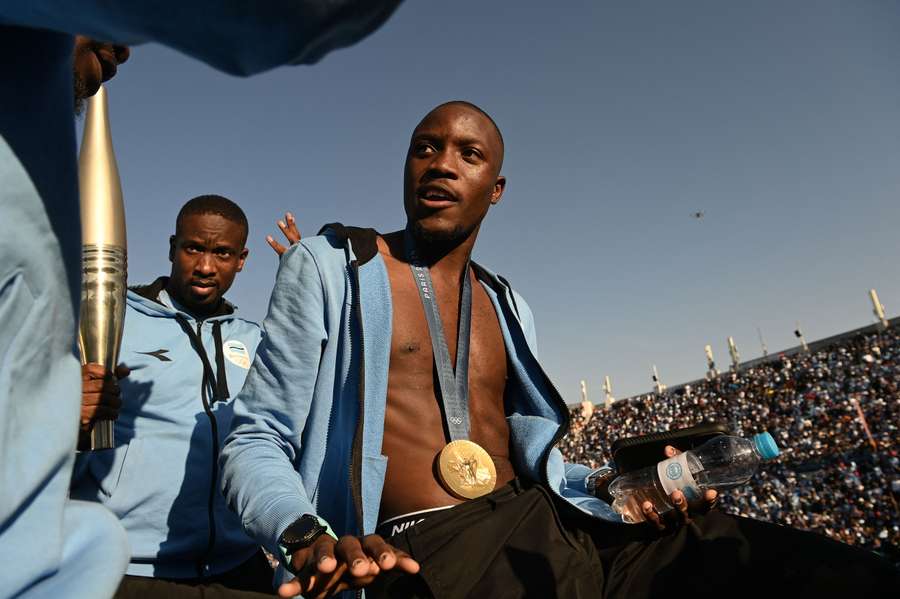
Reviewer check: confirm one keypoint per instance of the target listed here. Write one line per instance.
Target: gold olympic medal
(466, 470)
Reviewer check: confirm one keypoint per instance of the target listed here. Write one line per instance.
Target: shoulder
(324, 250)
(246, 334)
(332, 250)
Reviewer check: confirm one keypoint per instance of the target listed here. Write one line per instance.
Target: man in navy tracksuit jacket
(188, 354)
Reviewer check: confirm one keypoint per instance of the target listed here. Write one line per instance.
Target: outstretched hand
(289, 229)
(329, 567)
(683, 509)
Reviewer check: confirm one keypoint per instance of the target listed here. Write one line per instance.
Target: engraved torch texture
(104, 258)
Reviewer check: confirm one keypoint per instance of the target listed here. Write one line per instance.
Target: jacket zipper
(356, 448)
(207, 384)
(214, 429)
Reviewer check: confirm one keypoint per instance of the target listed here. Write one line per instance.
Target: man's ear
(171, 248)
(242, 257)
(499, 186)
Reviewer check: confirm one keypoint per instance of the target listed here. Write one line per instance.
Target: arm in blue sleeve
(260, 458)
(240, 37)
(570, 482)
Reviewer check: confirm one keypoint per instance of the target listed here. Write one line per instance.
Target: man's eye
(471, 153)
(191, 249)
(421, 149)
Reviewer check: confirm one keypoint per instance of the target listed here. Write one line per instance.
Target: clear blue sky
(778, 120)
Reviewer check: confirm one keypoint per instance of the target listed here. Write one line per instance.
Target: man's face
(93, 63)
(206, 253)
(451, 177)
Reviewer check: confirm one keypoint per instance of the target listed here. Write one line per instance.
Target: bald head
(452, 172)
(490, 125)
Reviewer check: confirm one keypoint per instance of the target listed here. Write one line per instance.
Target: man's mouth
(202, 287)
(435, 196)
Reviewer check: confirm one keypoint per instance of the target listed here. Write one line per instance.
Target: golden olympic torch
(104, 260)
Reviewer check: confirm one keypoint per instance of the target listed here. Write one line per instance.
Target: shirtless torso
(413, 430)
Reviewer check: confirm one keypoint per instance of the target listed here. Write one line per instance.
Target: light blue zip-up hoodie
(161, 480)
(308, 425)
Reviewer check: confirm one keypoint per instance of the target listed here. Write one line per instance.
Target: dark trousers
(516, 543)
(250, 580)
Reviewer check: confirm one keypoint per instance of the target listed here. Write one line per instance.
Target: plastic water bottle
(723, 462)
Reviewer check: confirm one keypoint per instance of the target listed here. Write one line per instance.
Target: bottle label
(674, 474)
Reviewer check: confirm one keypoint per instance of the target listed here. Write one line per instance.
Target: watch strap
(285, 552)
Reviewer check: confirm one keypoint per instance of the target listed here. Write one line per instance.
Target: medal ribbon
(454, 386)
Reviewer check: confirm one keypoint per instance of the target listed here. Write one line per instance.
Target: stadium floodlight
(607, 390)
(799, 335)
(878, 309)
(711, 371)
(660, 388)
(735, 356)
(762, 342)
(587, 408)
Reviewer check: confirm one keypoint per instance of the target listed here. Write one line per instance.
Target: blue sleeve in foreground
(261, 456)
(240, 37)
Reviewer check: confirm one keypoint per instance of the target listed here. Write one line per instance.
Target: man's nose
(205, 265)
(443, 166)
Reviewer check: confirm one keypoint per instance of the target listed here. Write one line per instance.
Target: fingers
(388, 557)
(122, 53)
(313, 565)
(97, 372)
(290, 588)
(672, 519)
(329, 567)
(323, 554)
(93, 371)
(680, 502)
(671, 451)
(279, 249)
(652, 516)
(710, 499)
(350, 551)
(289, 228)
(100, 394)
(383, 554)
(103, 392)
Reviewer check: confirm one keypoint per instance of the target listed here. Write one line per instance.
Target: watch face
(302, 532)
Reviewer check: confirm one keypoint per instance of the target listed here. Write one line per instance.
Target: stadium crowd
(830, 478)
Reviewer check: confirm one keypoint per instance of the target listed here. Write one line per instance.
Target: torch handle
(103, 289)
(103, 435)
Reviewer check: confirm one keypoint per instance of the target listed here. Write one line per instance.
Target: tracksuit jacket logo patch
(236, 353)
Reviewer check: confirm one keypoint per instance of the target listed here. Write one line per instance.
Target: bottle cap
(766, 446)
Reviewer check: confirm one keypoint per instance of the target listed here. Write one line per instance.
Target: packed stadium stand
(831, 478)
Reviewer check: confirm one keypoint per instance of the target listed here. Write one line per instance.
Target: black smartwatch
(301, 534)
(597, 483)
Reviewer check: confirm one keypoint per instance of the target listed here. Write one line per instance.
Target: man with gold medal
(397, 391)
(366, 457)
